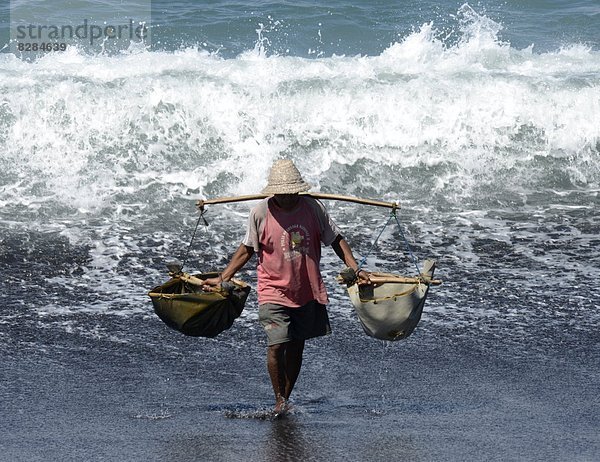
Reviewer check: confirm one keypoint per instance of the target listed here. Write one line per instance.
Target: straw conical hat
(285, 178)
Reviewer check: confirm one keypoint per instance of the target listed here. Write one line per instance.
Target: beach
(481, 121)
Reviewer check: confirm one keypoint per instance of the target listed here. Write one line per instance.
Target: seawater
(482, 121)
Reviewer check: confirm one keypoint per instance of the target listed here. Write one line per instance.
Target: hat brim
(287, 188)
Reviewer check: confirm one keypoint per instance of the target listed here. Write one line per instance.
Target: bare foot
(280, 407)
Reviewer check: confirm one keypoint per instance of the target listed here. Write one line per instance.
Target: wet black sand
(119, 388)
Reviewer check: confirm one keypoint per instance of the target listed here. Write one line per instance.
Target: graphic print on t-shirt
(295, 242)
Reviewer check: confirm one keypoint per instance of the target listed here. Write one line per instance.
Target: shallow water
(143, 392)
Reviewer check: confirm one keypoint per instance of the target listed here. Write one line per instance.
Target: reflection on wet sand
(287, 442)
(293, 438)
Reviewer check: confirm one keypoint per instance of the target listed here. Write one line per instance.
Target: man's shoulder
(315, 204)
(329, 228)
(259, 211)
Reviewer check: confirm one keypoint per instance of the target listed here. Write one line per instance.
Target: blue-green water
(482, 120)
(311, 29)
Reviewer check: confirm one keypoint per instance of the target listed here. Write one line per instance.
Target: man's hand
(350, 277)
(212, 284)
(363, 278)
(239, 259)
(342, 250)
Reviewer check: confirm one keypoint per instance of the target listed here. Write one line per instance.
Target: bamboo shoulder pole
(224, 200)
(357, 200)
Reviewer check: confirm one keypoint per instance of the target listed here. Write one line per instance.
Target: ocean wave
(487, 147)
(85, 130)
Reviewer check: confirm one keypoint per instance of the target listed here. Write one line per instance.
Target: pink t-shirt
(289, 251)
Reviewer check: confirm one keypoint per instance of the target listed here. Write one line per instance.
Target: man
(286, 231)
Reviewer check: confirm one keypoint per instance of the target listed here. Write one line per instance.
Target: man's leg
(284, 361)
(276, 368)
(293, 363)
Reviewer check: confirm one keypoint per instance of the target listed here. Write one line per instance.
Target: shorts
(283, 324)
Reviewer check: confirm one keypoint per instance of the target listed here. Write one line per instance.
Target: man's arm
(342, 250)
(239, 259)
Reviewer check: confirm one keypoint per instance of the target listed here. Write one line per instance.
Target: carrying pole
(336, 197)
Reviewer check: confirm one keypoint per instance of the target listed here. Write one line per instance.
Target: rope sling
(183, 304)
(390, 308)
(394, 215)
